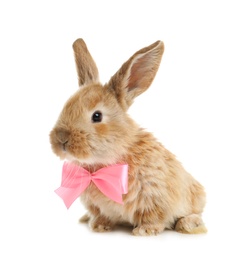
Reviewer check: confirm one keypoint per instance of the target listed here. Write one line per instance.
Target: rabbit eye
(97, 117)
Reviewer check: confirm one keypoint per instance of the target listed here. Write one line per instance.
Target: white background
(193, 107)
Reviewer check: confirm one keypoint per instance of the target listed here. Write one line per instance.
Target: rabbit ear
(136, 74)
(86, 66)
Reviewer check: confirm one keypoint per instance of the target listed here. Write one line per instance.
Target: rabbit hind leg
(191, 224)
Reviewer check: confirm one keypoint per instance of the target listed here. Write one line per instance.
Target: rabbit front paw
(148, 230)
(100, 224)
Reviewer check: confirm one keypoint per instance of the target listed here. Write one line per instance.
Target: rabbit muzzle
(70, 142)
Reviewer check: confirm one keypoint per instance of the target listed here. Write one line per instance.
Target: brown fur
(161, 194)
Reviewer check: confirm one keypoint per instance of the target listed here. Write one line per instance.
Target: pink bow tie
(112, 181)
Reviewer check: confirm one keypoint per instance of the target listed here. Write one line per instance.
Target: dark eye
(97, 117)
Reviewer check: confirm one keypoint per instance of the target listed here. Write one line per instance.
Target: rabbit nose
(63, 137)
(64, 145)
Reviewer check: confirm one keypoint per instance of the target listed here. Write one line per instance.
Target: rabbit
(94, 130)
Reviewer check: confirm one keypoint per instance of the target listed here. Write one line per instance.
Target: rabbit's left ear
(136, 74)
(86, 67)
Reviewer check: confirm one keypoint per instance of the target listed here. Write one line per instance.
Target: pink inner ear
(141, 73)
(136, 74)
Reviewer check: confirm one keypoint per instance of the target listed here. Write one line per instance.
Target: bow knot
(112, 181)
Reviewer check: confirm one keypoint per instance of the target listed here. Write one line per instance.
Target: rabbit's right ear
(136, 74)
(86, 66)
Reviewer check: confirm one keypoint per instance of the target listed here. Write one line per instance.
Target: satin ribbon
(112, 181)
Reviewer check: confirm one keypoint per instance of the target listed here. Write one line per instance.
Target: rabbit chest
(93, 199)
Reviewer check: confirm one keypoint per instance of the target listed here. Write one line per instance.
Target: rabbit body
(94, 130)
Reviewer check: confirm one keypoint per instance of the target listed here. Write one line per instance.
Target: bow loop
(112, 181)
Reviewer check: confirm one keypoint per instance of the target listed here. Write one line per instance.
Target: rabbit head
(94, 127)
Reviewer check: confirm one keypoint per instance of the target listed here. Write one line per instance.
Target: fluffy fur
(161, 193)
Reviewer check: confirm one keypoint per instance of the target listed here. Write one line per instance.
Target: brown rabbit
(94, 131)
